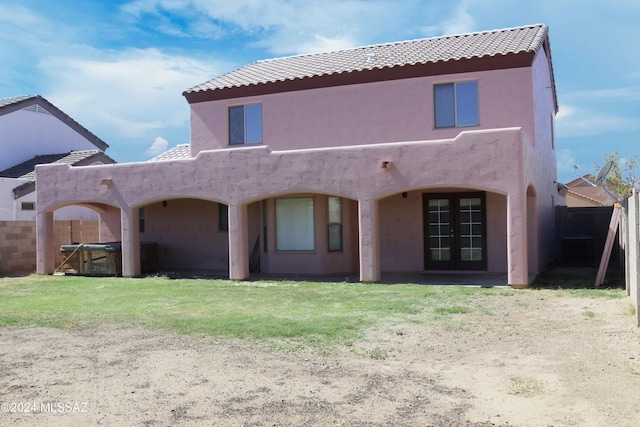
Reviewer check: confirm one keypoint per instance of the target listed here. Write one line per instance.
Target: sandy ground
(533, 361)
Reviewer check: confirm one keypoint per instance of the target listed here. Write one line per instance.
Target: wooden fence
(630, 228)
(18, 242)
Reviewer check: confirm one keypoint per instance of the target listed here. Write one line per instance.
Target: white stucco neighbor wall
(11, 209)
(36, 133)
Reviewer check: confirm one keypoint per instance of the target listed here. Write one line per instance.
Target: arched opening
(74, 225)
(305, 234)
(443, 229)
(191, 235)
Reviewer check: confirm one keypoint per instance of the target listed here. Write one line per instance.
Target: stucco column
(44, 243)
(238, 242)
(130, 242)
(369, 240)
(517, 247)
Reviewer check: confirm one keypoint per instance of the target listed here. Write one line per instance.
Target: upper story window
(456, 104)
(245, 124)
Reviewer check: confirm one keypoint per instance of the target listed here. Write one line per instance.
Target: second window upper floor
(245, 124)
(455, 104)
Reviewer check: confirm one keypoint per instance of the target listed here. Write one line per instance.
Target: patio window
(335, 224)
(245, 124)
(455, 104)
(295, 224)
(141, 220)
(265, 246)
(223, 217)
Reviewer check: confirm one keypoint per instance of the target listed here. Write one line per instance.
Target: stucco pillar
(130, 242)
(44, 243)
(369, 240)
(238, 242)
(517, 246)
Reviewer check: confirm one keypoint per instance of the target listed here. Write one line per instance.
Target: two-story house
(430, 155)
(34, 131)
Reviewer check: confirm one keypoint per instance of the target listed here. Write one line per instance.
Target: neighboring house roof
(588, 200)
(430, 56)
(37, 102)
(592, 195)
(27, 170)
(181, 151)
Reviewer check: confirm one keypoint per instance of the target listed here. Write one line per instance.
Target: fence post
(633, 251)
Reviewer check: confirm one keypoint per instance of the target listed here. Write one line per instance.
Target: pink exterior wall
(400, 110)
(188, 235)
(542, 173)
(401, 233)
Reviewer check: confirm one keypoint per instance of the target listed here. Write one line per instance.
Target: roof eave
(511, 60)
(59, 114)
(24, 189)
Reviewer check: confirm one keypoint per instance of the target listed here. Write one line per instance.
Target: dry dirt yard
(535, 360)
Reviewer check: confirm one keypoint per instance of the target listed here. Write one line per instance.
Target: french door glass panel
(471, 235)
(439, 226)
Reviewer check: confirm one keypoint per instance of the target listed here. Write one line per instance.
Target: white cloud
(566, 160)
(159, 146)
(286, 27)
(573, 121)
(460, 22)
(621, 94)
(126, 93)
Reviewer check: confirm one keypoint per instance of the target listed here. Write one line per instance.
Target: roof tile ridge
(396, 43)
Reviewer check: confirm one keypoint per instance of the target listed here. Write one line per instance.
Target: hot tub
(104, 259)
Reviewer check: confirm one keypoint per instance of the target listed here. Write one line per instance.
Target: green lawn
(286, 314)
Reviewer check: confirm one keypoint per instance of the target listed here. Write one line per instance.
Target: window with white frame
(295, 224)
(335, 224)
(245, 124)
(455, 104)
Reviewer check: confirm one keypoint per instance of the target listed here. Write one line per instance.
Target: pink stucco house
(431, 155)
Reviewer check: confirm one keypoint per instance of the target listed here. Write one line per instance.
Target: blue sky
(119, 67)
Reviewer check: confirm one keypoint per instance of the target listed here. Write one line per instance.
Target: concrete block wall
(17, 247)
(18, 242)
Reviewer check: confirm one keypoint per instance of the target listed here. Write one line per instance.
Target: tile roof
(13, 100)
(579, 188)
(181, 151)
(15, 103)
(422, 51)
(27, 170)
